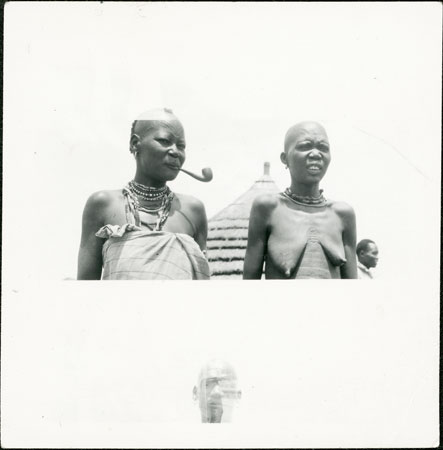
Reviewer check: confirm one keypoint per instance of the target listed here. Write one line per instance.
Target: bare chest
(298, 237)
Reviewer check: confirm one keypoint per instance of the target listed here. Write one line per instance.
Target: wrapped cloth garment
(134, 254)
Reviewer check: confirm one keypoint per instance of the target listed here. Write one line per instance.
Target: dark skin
(278, 227)
(159, 150)
(369, 257)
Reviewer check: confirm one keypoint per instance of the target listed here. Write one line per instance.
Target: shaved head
(301, 128)
(154, 118)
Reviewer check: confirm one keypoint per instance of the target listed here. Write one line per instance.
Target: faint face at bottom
(217, 392)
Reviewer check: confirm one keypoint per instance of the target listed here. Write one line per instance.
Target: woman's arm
(202, 227)
(201, 222)
(349, 269)
(257, 237)
(90, 253)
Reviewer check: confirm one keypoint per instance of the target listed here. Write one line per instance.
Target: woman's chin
(165, 177)
(172, 177)
(314, 177)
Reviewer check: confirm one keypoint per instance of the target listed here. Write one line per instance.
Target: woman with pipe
(145, 231)
(299, 233)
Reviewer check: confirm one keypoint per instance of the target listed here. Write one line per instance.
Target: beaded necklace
(306, 200)
(147, 192)
(164, 194)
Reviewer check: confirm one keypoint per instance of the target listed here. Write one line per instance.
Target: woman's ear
(134, 143)
(284, 159)
(194, 393)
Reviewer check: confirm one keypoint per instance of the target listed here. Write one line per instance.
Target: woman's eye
(165, 142)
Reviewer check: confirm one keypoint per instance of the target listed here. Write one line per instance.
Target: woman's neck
(148, 181)
(305, 190)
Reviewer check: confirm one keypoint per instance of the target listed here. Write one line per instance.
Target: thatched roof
(228, 230)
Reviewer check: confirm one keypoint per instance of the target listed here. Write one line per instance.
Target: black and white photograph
(244, 146)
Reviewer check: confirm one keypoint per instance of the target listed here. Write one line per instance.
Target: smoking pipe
(205, 176)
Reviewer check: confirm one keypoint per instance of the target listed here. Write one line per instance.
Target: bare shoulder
(265, 203)
(190, 202)
(342, 209)
(101, 200)
(192, 206)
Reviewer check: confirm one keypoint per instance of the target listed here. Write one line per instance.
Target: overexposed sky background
(237, 75)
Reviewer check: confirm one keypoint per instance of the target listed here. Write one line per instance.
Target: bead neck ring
(306, 200)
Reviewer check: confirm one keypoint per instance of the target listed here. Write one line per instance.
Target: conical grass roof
(228, 230)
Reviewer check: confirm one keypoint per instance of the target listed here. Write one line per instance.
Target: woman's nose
(315, 154)
(173, 151)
